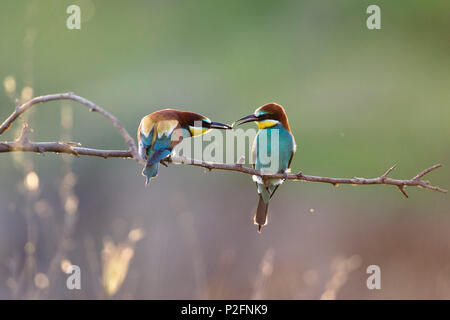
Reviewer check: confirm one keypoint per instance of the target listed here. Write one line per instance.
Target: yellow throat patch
(266, 123)
(196, 131)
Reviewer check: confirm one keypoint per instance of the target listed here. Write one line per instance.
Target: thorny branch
(22, 144)
(61, 147)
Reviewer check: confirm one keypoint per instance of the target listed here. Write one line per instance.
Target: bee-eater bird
(160, 131)
(281, 147)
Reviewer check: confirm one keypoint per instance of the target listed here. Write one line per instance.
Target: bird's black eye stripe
(265, 116)
(206, 124)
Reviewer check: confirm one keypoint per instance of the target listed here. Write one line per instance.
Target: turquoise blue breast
(279, 144)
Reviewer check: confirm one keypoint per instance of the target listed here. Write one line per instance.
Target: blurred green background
(358, 101)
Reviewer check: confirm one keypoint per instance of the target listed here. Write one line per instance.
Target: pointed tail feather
(150, 171)
(260, 218)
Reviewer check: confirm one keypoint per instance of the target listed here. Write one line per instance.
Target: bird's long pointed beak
(218, 125)
(249, 118)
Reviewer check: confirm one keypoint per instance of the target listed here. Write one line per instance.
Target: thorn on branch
(73, 151)
(241, 161)
(384, 176)
(402, 190)
(23, 137)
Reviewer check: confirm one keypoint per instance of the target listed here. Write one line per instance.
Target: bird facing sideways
(160, 131)
(270, 117)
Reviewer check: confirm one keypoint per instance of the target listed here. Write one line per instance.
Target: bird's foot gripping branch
(23, 144)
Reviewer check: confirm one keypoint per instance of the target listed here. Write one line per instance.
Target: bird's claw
(164, 163)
